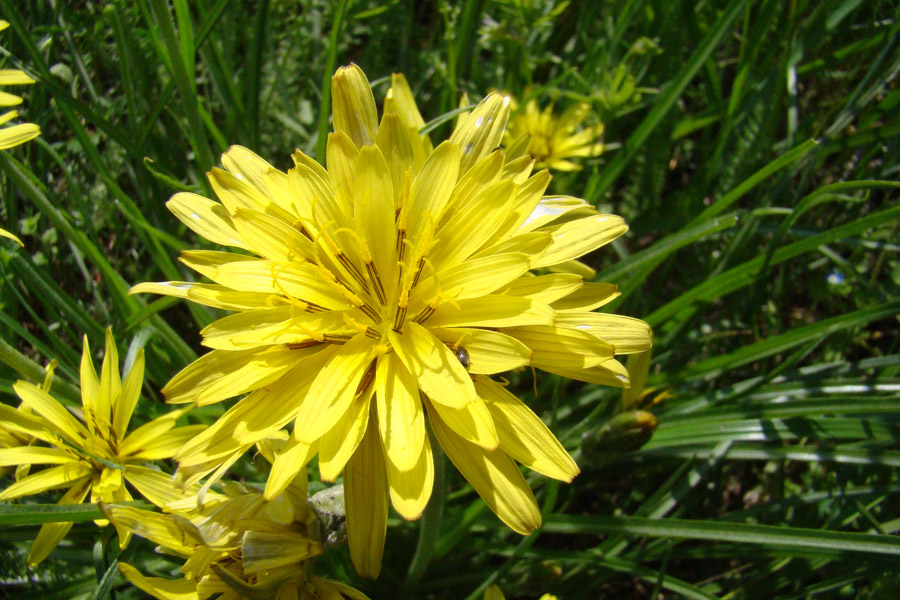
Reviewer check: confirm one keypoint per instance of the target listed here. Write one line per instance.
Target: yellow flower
(94, 455)
(239, 545)
(17, 134)
(386, 288)
(549, 139)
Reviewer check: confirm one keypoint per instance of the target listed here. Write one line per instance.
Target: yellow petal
(345, 590)
(523, 435)
(123, 406)
(52, 533)
(472, 422)
(544, 288)
(209, 294)
(482, 130)
(589, 297)
(158, 528)
(247, 166)
(276, 327)
(338, 445)
(37, 455)
(404, 101)
(11, 137)
(374, 212)
(45, 405)
(206, 262)
(333, 389)
(288, 463)
(627, 334)
(473, 225)
(492, 310)
(489, 351)
(493, 475)
(577, 238)
(341, 155)
(436, 369)
(411, 489)
(14, 77)
(266, 550)
(8, 235)
(432, 189)
(156, 486)
(236, 193)
(295, 280)
(222, 374)
(562, 347)
(353, 105)
(160, 587)
(472, 278)
(553, 208)
(401, 420)
(399, 150)
(609, 372)
(366, 500)
(64, 475)
(100, 412)
(272, 238)
(493, 593)
(206, 218)
(28, 425)
(157, 440)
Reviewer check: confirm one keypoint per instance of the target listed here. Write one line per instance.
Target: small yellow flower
(550, 140)
(17, 134)
(91, 455)
(389, 287)
(239, 545)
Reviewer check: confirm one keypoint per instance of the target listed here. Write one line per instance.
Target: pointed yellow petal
(160, 587)
(609, 372)
(404, 101)
(62, 476)
(627, 334)
(472, 422)
(553, 208)
(493, 475)
(99, 411)
(52, 533)
(374, 211)
(90, 383)
(471, 279)
(401, 420)
(523, 435)
(353, 105)
(18, 134)
(45, 405)
(432, 189)
(288, 463)
(341, 155)
(562, 347)
(411, 489)
(206, 218)
(29, 425)
(345, 590)
(544, 288)
(247, 166)
(156, 486)
(266, 550)
(366, 501)
(158, 528)
(157, 440)
(276, 327)
(473, 225)
(436, 369)
(206, 262)
(272, 238)
(223, 374)
(395, 140)
(338, 445)
(123, 407)
(333, 390)
(577, 238)
(492, 310)
(37, 455)
(209, 294)
(589, 297)
(8, 235)
(482, 130)
(489, 351)
(296, 280)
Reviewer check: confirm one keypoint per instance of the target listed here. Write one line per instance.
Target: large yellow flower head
(95, 455)
(550, 139)
(385, 288)
(238, 545)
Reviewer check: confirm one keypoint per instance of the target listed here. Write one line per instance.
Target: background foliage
(767, 264)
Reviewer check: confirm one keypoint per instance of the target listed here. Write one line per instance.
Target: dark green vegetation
(767, 264)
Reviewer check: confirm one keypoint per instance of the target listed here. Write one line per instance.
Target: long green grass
(752, 150)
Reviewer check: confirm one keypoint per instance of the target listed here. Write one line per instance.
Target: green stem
(431, 521)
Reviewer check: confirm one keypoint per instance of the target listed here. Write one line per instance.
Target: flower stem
(431, 521)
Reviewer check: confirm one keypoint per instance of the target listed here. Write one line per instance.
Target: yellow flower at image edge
(385, 288)
(17, 134)
(552, 139)
(95, 456)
